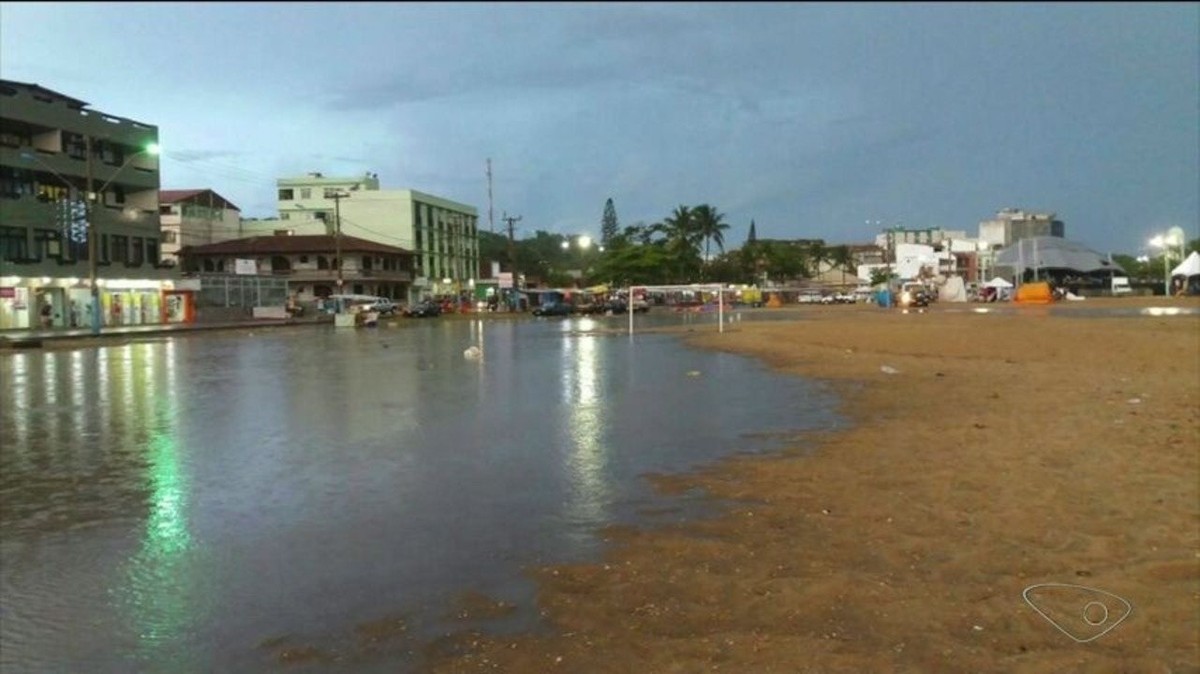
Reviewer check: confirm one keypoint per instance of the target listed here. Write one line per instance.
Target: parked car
(383, 306)
(552, 309)
(426, 309)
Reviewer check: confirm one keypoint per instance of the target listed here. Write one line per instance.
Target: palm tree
(816, 253)
(710, 225)
(842, 257)
(682, 238)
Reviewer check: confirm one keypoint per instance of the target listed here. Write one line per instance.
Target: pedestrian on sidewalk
(47, 315)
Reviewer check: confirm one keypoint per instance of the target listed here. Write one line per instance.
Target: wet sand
(1000, 451)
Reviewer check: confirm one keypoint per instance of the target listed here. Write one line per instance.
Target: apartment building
(442, 234)
(194, 218)
(1013, 224)
(69, 173)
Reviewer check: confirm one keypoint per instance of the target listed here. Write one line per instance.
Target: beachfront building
(67, 172)
(194, 218)
(441, 234)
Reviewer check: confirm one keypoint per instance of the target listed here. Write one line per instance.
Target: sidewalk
(34, 338)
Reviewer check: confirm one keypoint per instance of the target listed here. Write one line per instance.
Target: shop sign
(247, 267)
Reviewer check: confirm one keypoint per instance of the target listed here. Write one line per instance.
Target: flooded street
(183, 504)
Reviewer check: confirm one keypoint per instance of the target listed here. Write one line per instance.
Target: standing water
(208, 502)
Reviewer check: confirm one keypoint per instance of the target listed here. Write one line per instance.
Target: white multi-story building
(194, 218)
(1013, 224)
(442, 234)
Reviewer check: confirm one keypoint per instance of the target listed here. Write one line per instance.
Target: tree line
(687, 246)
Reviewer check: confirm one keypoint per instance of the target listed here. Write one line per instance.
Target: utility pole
(512, 249)
(337, 238)
(93, 236)
(491, 223)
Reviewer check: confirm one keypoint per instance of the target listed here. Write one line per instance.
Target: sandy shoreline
(1006, 450)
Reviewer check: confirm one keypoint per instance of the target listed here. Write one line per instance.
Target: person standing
(47, 315)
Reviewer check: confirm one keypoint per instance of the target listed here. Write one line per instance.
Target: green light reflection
(156, 593)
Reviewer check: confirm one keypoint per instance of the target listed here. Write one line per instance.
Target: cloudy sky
(811, 119)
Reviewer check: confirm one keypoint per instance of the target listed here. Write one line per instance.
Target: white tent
(953, 290)
(997, 283)
(1189, 267)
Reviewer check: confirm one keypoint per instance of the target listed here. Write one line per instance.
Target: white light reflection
(18, 401)
(1162, 311)
(587, 460)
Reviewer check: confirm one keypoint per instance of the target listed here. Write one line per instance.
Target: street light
(1173, 238)
(93, 238)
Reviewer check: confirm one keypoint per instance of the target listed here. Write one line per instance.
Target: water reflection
(585, 427)
(169, 505)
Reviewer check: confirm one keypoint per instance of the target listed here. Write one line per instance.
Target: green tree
(682, 243)
(817, 253)
(842, 257)
(608, 224)
(709, 224)
(881, 275)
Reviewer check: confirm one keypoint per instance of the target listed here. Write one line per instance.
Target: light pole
(93, 237)
(1174, 237)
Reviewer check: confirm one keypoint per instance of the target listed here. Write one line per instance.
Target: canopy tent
(1052, 252)
(1189, 267)
(997, 283)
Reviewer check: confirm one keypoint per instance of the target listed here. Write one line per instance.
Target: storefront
(46, 302)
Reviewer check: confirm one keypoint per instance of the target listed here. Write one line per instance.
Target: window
(286, 195)
(104, 249)
(14, 245)
(366, 263)
(208, 265)
(305, 193)
(120, 248)
(322, 262)
(47, 244)
(170, 236)
(321, 215)
(118, 194)
(304, 259)
(330, 192)
(15, 183)
(284, 232)
(139, 252)
(152, 251)
(164, 209)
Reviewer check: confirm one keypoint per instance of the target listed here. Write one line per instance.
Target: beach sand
(1005, 450)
